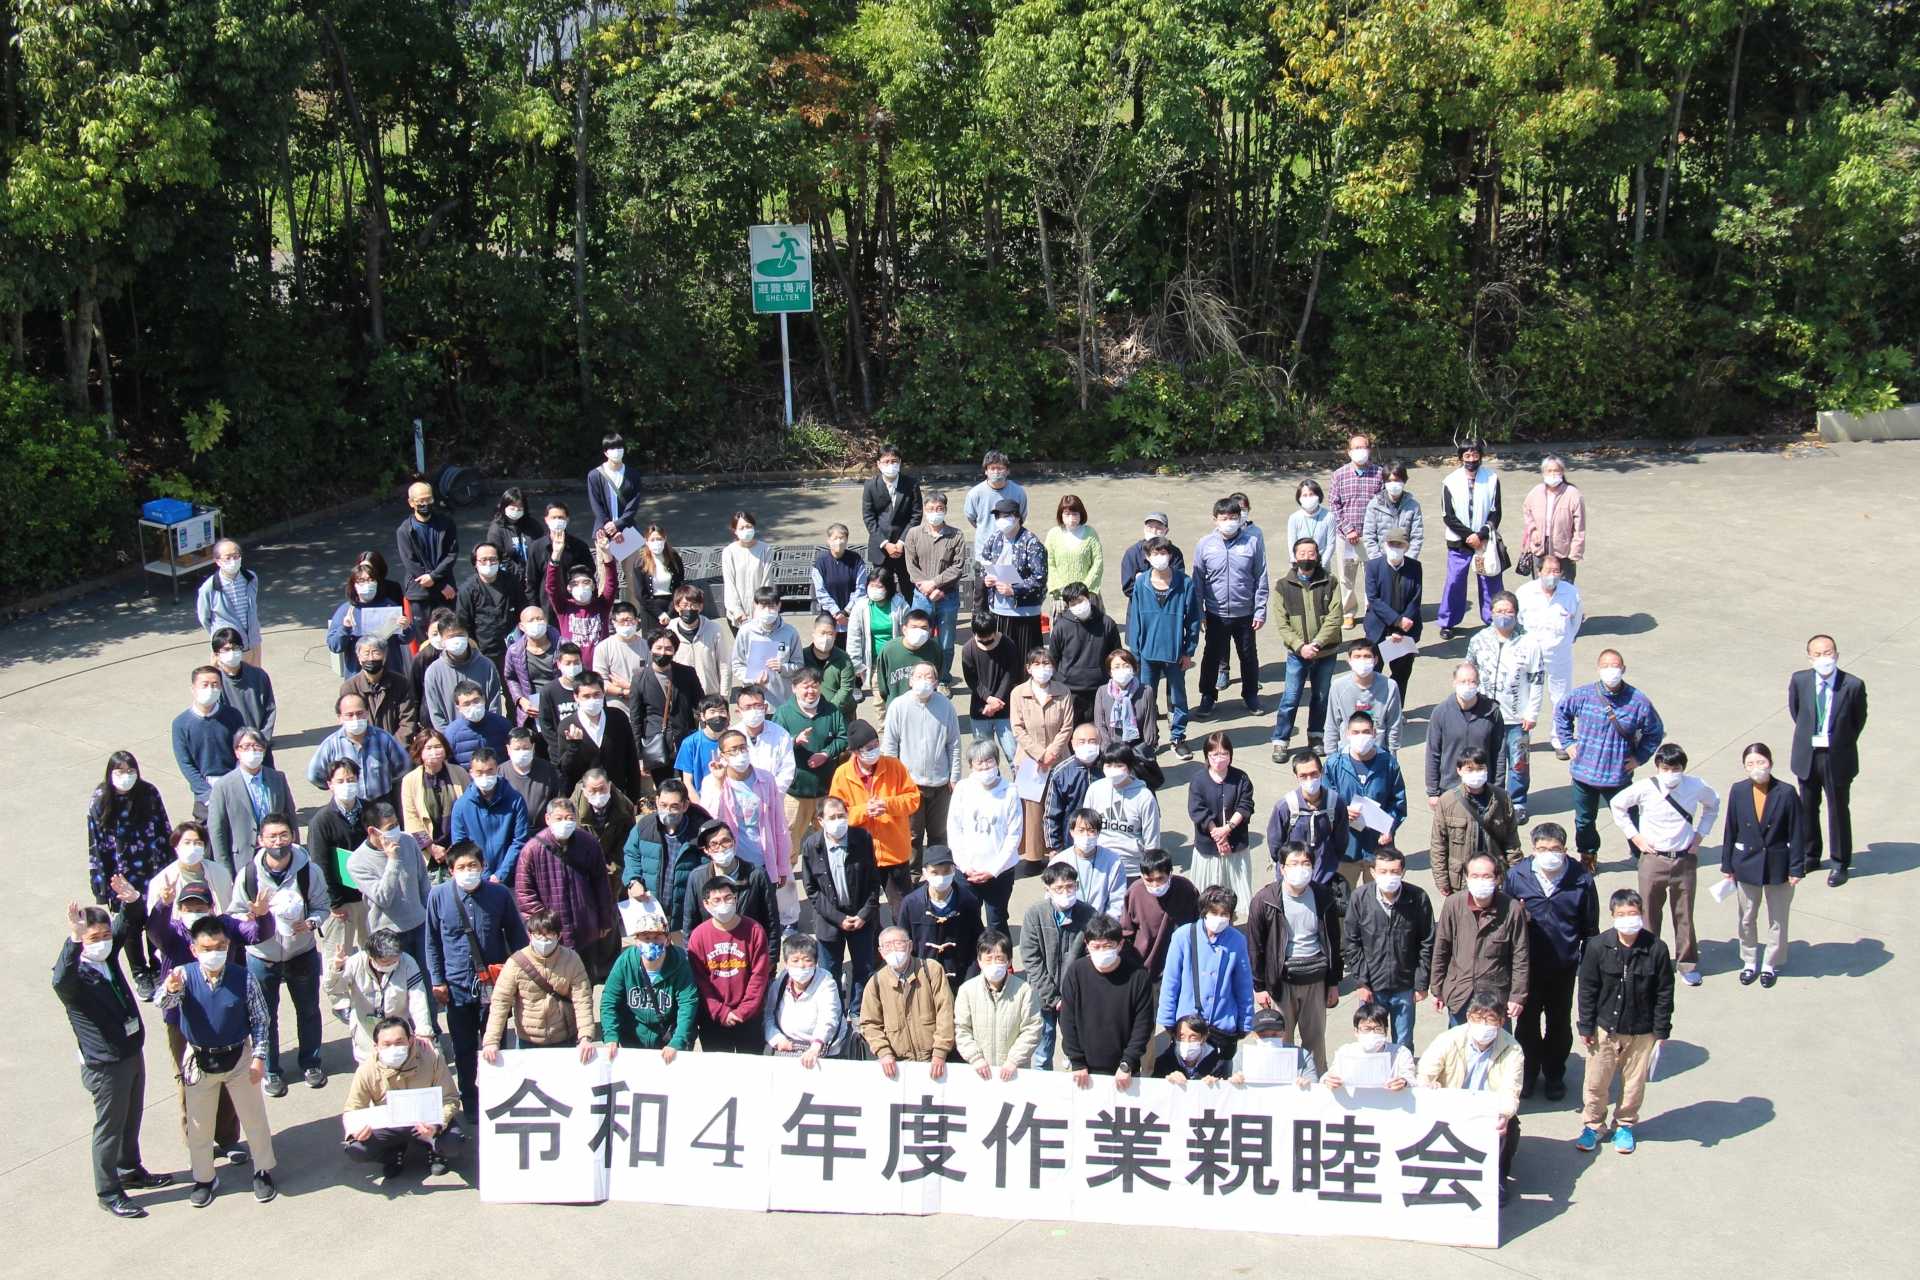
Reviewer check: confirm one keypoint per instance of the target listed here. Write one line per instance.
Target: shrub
(64, 486)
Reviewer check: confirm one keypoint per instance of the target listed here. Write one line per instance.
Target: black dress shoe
(1556, 1090)
(121, 1207)
(143, 1180)
(1836, 877)
(1747, 976)
(1527, 1087)
(1768, 978)
(1446, 633)
(143, 987)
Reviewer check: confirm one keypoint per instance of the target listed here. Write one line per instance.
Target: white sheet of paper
(1722, 889)
(1375, 817)
(1265, 1063)
(628, 543)
(1394, 648)
(1003, 571)
(381, 622)
(414, 1106)
(1653, 1060)
(353, 1122)
(760, 651)
(1030, 780)
(1373, 1072)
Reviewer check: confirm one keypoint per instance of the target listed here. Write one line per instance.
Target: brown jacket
(910, 1019)
(423, 1069)
(1473, 949)
(390, 703)
(938, 557)
(1455, 836)
(543, 1020)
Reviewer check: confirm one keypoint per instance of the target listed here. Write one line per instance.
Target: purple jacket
(571, 882)
(519, 679)
(173, 946)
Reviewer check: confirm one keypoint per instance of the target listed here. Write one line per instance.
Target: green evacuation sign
(782, 261)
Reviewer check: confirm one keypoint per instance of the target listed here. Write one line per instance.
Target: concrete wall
(1893, 424)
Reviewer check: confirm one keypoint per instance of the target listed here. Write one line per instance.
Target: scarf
(1120, 717)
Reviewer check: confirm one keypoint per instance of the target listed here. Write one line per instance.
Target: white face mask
(231, 566)
(590, 707)
(800, 974)
(488, 570)
(1371, 1041)
(1359, 457)
(521, 759)
(994, 971)
(1361, 666)
(1160, 560)
(1042, 676)
(1082, 611)
(1473, 779)
(513, 513)
(1158, 890)
(988, 778)
(916, 636)
(1396, 555)
(1311, 786)
(1761, 773)
(1086, 841)
(1006, 524)
(581, 593)
(1191, 1051)
(569, 671)
(563, 828)
(251, 759)
(870, 755)
(188, 919)
(835, 829)
(1389, 884)
(534, 630)
(1062, 899)
(616, 456)
(1394, 489)
(474, 712)
(123, 781)
(934, 518)
(1123, 676)
(365, 590)
(206, 697)
(1549, 581)
(1628, 926)
(1297, 877)
(1086, 752)
(1118, 775)
(739, 761)
(393, 1055)
(356, 726)
(890, 470)
(212, 963)
(1482, 1033)
(1612, 676)
(1549, 861)
(744, 534)
(897, 960)
(766, 619)
(657, 545)
(625, 630)
(1360, 746)
(1466, 693)
(1665, 779)
(877, 594)
(1480, 887)
(557, 525)
(97, 952)
(486, 782)
(1553, 478)
(230, 659)
(753, 717)
(1216, 925)
(1106, 959)
(1228, 528)
(1826, 666)
(1309, 502)
(940, 883)
(599, 799)
(544, 946)
(192, 854)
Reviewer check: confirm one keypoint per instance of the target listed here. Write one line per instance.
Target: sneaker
(1181, 749)
(202, 1194)
(1224, 678)
(236, 1154)
(1280, 750)
(1560, 753)
(1255, 707)
(143, 987)
(276, 1086)
(436, 1165)
(316, 1078)
(1691, 977)
(1623, 1140)
(263, 1188)
(1519, 815)
(1589, 1139)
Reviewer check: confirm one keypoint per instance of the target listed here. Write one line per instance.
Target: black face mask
(716, 724)
(663, 660)
(424, 510)
(374, 666)
(690, 619)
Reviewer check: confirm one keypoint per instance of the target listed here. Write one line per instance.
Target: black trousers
(1022, 632)
(1821, 783)
(119, 1092)
(895, 884)
(1509, 1143)
(994, 896)
(748, 1037)
(385, 1142)
(464, 1024)
(1218, 632)
(1399, 671)
(1083, 706)
(1545, 1031)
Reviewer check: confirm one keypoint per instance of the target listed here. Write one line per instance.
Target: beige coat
(423, 1069)
(999, 1028)
(910, 1019)
(564, 1018)
(1445, 1066)
(413, 798)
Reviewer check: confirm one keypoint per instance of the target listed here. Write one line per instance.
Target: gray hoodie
(305, 892)
(395, 888)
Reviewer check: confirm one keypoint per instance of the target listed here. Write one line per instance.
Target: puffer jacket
(998, 1028)
(552, 1015)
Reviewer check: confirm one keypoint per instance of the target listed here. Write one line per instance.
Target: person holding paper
(543, 994)
(1371, 1060)
(1563, 912)
(1626, 1011)
(1269, 1055)
(402, 1061)
(1193, 1054)
(1296, 956)
(369, 598)
(1667, 818)
(1829, 710)
(766, 649)
(1375, 791)
(1764, 857)
(1015, 575)
(1477, 1053)
(1389, 942)
(1470, 509)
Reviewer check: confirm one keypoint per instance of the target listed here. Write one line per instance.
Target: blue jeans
(1176, 679)
(999, 731)
(1301, 671)
(1043, 1052)
(946, 620)
(1403, 1006)
(301, 975)
(1515, 769)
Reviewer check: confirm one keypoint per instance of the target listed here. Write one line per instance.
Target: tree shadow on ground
(1708, 1123)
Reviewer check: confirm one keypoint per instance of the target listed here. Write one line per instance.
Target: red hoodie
(732, 970)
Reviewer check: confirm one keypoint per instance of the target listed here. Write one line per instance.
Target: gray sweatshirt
(443, 675)
(925, 737)
(395, 888)
(1382, 702)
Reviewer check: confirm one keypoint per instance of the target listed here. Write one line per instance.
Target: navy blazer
(1765, 849)
(1392, 596)
(1849, 718)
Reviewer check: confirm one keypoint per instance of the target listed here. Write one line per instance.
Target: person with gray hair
(241, 797)
(803, 1018)
(389, 694)
(230, 597)
(378, 981)
(1468, 719)
(1553, 520)
(936, 556)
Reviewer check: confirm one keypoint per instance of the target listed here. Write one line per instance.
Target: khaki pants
(1669, 875)
(1779, 899)
(1627, 1057)
(226, 1123)
(1352, 559)
(1304, 1006)
(1356, 874)
(203, 1104)
(348, 932)
(800, 814)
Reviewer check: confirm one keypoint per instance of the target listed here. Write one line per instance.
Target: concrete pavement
(1774, 1137)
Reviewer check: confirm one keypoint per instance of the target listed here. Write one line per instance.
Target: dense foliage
(246, 242)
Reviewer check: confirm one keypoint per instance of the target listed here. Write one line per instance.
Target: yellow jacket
(893, 787)
(546, 1021)
(1444, 1066)
(413, 797)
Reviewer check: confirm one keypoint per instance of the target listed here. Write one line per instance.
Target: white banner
(738, 1132)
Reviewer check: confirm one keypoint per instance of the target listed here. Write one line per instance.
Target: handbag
(485, 976)
(1526, 565)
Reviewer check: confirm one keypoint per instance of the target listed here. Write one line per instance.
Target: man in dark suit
(428, 543)
(890, 505)
(106, 1023)
(598, 735)
(573, 551)
(843, 885)
(666, 698)
(1829, 710)
(1393, 584)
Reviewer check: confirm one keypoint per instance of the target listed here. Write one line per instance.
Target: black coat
(888, 519)
(615, 752)
(863, 881)
(1627, 990)
(1848, 719)
(1390, 950)
(490, 611)
(676, 710)
(1267, 931)
(1080, 649)
(442, 545)
(1765, 849)
(1392, 595)
(97, 1007)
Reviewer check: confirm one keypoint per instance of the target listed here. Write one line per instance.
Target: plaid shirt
(1349, 492)
(1608, 727)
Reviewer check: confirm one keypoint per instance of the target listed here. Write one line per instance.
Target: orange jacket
(893, 787)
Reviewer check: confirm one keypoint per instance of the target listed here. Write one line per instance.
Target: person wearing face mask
(473, 926)
(598, 735)
(230, 599)
(1191, 1055)
(1220, 803)
(1470, 509)
(1353, 488)
(653, 574)
(991, 670)
(881, 798)
(387, 692)
(562, 869)
(936, 555)
(246, 688)
(1082, 642)
(1477, 1053)
(1209, 974)
(290, 956)
(428, 545)
(942, 916)
(428, 794)
(613, 491)
(767, 650)
(803, 1018)
(998, 486)
(890, 504)
(583, 612)
(127, 836)
(733, 970)
(1475, 817)
(1370, 1024)
(754, 896)
(515, 531)
(1133, 561)
(828, 659)
(490, 815)
(1296, 957)
(879, 615)
(665, 700)
(650, 1000)
(111, 1040)
(544, 995)
(1468, 721)
(554, 545)
(203, 736)
(1314, 816)
(893, 663)
(1312, 520)
(1393, 507)
(662, 850)
(1052, 937)
(368, 587)
(1163, 631)
(392, 874)
(1389, 943)
(1129, 811)
(985, 827)
(475, 725)
(1363, 767)
(697, 750)
(1363, 689)
(1074, 550)
(839, 576)
(1481, 942)
(1013, 575)
(996, 1023)
(556, 697)
(843, 888)
(535, 780)
(1610, 729)
(429, 654)
(1230, 570)
(1310, 627)
(1667, 818)
(608, 816)
(1626, 1010)
(531, 659)
(746, 567)
(1047, 747)
(751, 801)
(403, 1060)
(378, 981)
(380, 759)
(1551, 614)
(1763, 857)
(1102, 877)
(906, 1012)
(1553, 519)
(489, 603)
(1392, 623)
(1106, 1008)
(1829, 710)
(189, 863)
(223, 1025)
(1123, 715)
(333, 832)
(922, 731)
(1513, 673)
(1563, 914)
